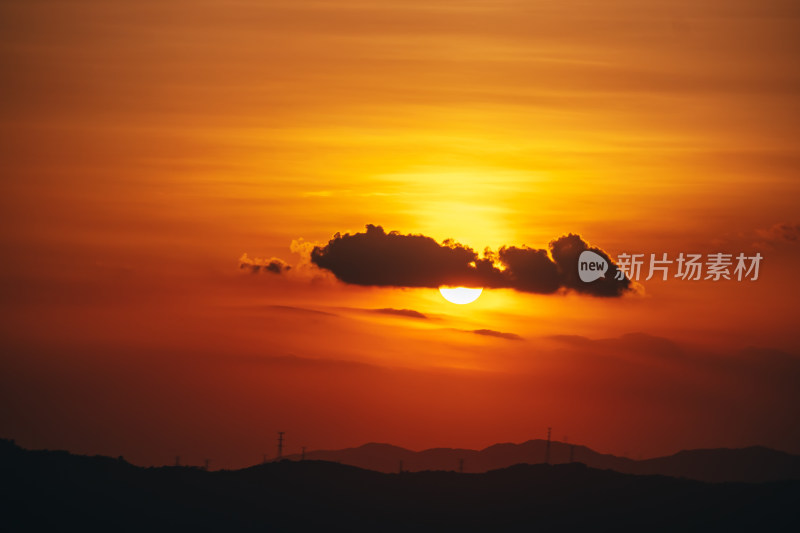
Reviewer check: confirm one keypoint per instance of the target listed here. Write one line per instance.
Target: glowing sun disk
(460, 295)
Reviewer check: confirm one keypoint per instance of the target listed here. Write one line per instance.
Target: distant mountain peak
(751, 464)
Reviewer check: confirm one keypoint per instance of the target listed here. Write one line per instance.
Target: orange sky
(146, 147)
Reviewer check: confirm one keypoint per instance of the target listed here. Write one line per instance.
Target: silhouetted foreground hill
(751, 465)
(57, 491)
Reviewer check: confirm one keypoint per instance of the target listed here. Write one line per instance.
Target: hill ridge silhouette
(56, 490)
(748, 464)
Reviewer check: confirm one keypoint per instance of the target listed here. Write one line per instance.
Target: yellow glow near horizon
(460, 295)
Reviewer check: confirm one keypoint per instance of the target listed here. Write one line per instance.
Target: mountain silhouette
(754, 464)
(54, 490)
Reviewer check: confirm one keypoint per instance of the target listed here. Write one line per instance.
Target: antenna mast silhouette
(280, 445)
(303, 453)
(547, 449)
(207, 462)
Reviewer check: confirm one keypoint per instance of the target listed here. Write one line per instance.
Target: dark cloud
(530, 270)
(636, 341)
(499, 334)
(256, 264)
(565, 252)
(377, 258)
(573, 340)
(410, 313)
(294, 309)
(391, 259)
(786, 231)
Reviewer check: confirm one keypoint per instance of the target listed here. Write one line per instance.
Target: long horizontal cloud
(408, 313)
(787, 231)
(256, 264)
(377, 258)
(498, 334)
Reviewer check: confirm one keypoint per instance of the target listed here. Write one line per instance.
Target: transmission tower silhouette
(547, 449)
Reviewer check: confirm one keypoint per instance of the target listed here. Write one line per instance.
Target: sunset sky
(147, 146)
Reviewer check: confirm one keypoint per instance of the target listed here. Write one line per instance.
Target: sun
(460, 295)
